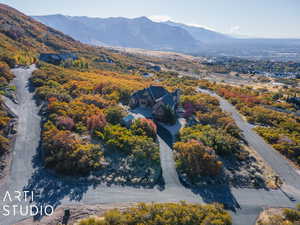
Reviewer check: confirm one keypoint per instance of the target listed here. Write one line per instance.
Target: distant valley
(169, 36)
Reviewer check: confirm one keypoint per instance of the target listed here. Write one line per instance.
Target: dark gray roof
(138, 94)
(157, 92)
(168, 100)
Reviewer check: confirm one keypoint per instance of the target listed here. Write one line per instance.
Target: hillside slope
(20, 33)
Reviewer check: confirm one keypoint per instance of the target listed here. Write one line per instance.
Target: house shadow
(213, 191)
(50, 189)
(164, 134)
(218, 194)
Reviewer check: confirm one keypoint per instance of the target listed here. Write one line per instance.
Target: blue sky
(255, 18)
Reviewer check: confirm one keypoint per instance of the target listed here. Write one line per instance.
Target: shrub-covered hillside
(22, 39)
(5, 119)
(167, 213)
(83, 126)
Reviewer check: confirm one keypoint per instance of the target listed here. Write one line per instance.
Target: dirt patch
(264, 217)
(77, 212)
(271, 178)
(122, 170)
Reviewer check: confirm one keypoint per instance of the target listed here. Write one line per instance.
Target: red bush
(64, 122)
(95, 122)
(144, 126)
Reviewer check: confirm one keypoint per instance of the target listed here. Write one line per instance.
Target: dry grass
(268, 173)
(264, 217)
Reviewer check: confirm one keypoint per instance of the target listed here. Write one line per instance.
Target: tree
(218, 139)
(96, 122)
(169, 115)
(143, 148)
(114, 114)
(195, 158)
(121, 139)
(66, 153)
(118, 138)
(65, 122)
(144, 127)
(5, 72)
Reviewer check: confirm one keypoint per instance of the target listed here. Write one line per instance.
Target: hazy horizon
(255, 19)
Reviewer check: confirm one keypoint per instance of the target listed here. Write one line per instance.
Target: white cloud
(235, 30)
(164, 18)
(201, 26)
(159, 18)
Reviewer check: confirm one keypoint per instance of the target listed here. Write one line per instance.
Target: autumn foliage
(144, 127)
(96, 122)
(64, 122)
(4, 123)
(81, 106)
(67, 153)
(272, 113)
(194, 158)
(164, 213)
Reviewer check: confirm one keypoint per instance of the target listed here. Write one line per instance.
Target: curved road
(27, 173)
(289, 174)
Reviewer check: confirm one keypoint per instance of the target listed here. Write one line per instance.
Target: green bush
(217, 139)
(144, 127)
(114, 114)
(66, 153)
(169, 116)
(196, 159)
(121, 139)
(292, 215)
(118, 138)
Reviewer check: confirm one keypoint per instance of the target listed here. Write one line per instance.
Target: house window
(143, 102)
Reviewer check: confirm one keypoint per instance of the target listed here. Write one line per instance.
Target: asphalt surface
(27, 173)
(289, 174)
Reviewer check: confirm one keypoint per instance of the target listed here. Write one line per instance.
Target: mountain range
(140, 32)
(23, 39)
(201, 34)
(169, 36)
(134, 33)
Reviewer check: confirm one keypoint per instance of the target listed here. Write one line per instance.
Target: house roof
(157, 92)
(138, 93)
(168, 100)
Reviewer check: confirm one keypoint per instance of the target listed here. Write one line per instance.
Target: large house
(57, 59)
(157, 99)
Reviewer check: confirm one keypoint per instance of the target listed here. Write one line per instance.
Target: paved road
(169, 172)
(27, 173)
(289, 174)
